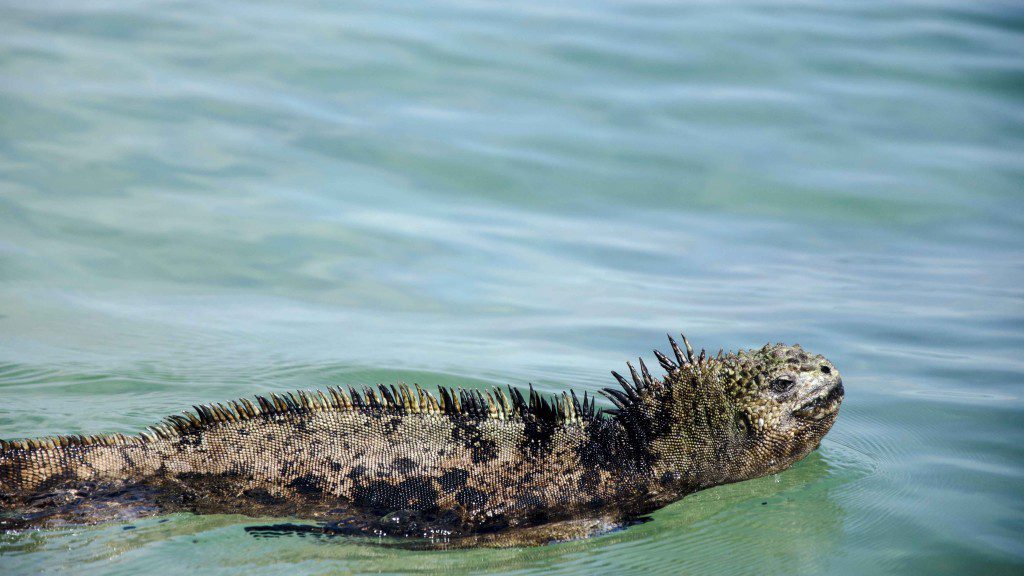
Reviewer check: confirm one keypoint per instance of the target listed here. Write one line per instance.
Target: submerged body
(464, 466)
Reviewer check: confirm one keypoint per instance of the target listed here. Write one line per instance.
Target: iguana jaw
(823, 401)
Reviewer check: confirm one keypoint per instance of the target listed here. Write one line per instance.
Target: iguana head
(730, 418)
(785, 400)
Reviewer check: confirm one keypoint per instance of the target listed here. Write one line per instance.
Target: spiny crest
(400, 400)
(55, 442)
(642, 382)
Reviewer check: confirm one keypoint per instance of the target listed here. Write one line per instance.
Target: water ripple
(205, 201)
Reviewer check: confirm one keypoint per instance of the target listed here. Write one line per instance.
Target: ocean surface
(203, 201)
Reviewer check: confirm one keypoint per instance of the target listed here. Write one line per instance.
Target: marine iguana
(468, 467)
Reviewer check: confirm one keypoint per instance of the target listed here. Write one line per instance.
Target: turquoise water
(205, 201)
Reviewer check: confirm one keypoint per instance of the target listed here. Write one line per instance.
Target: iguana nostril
(826, 370)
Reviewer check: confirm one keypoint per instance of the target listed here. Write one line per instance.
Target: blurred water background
(202, 201)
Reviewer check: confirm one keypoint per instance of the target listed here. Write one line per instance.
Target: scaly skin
(465, 467)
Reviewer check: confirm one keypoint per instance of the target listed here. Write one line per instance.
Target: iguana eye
(782, 384)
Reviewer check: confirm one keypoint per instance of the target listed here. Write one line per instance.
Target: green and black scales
(466, 466)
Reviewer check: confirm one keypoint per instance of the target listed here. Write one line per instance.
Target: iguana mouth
(825, 400)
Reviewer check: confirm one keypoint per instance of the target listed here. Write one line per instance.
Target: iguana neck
(676, 436)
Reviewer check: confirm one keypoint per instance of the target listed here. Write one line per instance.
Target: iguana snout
(821, 394)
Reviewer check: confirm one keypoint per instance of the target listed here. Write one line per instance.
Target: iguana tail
(34, 466)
